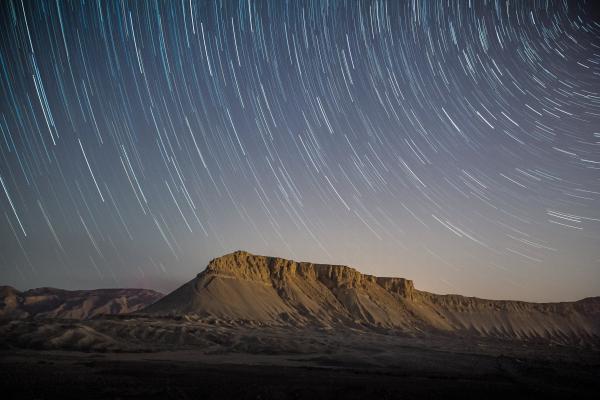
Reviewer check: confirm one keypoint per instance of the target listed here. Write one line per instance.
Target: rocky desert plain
(257, 327)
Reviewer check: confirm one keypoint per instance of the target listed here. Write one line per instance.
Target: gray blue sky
(453, 143)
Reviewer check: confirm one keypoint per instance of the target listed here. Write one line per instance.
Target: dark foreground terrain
(405, 372)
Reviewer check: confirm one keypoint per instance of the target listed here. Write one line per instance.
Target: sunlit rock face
(261, 290)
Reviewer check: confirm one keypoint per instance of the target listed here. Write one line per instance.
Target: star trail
(456, 143)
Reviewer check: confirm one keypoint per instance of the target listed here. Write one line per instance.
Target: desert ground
(278, 363)
(256, 327)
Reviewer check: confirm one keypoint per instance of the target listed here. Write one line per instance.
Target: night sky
(456, 143)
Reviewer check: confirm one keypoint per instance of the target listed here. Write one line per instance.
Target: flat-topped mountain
(74, 304)
(262, 290)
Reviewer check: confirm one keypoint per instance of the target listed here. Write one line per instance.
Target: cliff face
(270, 290)
(74, 304)
(263, 290)
(274, 271)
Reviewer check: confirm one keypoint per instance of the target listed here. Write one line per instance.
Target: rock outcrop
(251, 289)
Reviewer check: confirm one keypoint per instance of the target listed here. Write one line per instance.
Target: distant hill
(251, 289)
(75, 304)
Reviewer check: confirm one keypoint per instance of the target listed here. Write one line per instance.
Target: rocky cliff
(262, 290)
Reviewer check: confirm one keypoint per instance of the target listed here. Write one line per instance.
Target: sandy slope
(274, 291)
